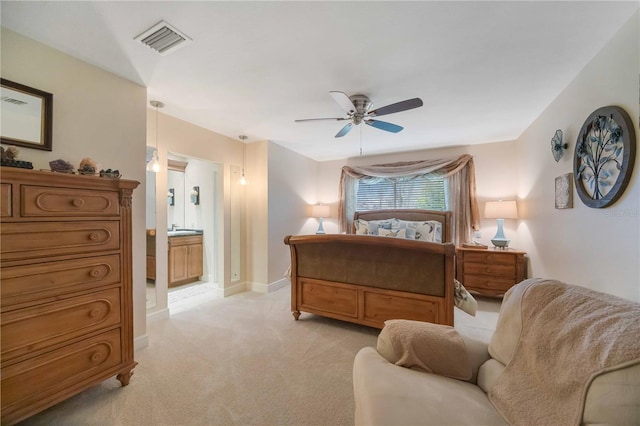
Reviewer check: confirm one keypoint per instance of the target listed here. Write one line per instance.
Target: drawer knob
(95, 272)
(78, 202)
(93, 236)
(96, 357)
(94, 313)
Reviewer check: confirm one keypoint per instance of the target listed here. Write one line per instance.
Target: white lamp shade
(501, 210)
(320, 211)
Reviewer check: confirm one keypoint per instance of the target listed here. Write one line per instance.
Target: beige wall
(95, 114)
(185, 139)
(292, 189)
(257, 201)
(595, 248)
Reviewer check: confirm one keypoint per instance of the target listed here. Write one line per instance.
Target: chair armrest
(434, 348)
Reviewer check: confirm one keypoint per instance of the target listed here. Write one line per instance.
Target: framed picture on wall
(27, 116)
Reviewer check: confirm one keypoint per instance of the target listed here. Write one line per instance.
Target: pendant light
(154, 164)
(243, 180)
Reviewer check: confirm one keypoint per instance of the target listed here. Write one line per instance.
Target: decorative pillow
(463, 299)
(424, 346)
(394, 233)
(362, 227)
(430, 230)
(371, 227)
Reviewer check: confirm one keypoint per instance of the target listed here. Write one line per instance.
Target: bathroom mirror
(151, 234)
(176, 197)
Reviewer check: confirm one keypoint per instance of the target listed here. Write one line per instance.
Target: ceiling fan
(357, 109)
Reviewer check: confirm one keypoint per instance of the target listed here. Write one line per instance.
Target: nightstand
(490, 272)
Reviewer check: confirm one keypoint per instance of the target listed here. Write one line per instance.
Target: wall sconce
(171, 197)
(243, 138)
(320, 211)
(500, 210)
(195, 195)
(558, 146)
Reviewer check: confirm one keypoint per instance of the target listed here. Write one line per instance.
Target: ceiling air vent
(163, 38)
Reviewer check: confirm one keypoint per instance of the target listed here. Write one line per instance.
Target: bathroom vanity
(185, 257)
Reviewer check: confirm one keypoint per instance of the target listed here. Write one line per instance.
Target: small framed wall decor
(27, 116)
(564, 191)
(604, 156)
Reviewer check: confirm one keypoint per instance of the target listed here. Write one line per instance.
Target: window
(420, 192)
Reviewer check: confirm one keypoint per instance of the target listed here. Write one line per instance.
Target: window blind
(422, 192)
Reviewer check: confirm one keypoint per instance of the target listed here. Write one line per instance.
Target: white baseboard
(157, 315)
(236, 288)
(268, 288)
(140, 342)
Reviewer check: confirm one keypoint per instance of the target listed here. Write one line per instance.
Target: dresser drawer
(475, 282)
(44, 282)
(33, 380)
(505, 271)
(42, 201)
(494, 258)
(6, 208)
(32, 240)
(31, 329)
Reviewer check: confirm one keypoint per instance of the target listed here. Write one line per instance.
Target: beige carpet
(242, 360)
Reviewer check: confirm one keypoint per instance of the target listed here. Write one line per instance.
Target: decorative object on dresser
(320, 211)
(604, 156)
(490, 272)
(27, 116)
(500, 210)
(66, 294)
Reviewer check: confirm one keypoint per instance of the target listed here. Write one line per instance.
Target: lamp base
(500, 243)
(320, 230)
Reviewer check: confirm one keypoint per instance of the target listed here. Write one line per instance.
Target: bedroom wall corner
(594, 248)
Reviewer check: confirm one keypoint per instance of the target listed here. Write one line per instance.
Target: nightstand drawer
(488, 257)
(505, 271)
(473, 282)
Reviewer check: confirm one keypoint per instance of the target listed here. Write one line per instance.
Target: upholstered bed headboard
(415, 215)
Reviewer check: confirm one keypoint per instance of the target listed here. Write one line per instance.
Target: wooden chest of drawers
(491, 271)
(65, 295)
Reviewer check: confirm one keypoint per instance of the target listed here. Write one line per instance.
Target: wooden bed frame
(369, 279)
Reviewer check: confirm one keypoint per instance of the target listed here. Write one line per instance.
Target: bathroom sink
(184, 232)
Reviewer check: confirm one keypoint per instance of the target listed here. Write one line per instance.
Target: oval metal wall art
(604, 156)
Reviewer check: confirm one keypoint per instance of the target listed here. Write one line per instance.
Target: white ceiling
(485, 70)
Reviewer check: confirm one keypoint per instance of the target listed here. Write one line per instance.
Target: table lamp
(320, 211)
(500, 210)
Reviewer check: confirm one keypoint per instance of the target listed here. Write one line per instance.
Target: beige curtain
(459, 174)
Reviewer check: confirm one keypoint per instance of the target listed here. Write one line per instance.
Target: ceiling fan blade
(397, 107)
(320, 119)
(344, 130)
(343, 100)
(383, 125)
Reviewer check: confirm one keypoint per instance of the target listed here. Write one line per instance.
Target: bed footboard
(368, 280)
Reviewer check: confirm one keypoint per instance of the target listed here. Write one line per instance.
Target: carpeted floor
(241, 360)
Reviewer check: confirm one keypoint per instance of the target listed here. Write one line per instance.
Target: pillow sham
(430, 230)
(371, 227)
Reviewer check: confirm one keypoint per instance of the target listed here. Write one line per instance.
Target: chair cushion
(386, 394)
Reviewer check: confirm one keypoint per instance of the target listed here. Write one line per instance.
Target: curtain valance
(459, 174)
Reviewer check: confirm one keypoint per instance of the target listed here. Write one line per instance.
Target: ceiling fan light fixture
(358, 111)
